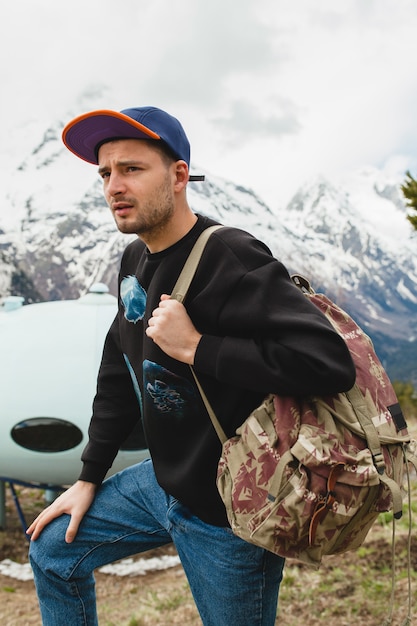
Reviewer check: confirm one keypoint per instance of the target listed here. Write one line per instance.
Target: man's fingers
(72, 529)
(39, 523)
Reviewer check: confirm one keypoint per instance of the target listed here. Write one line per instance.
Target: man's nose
(116, 184)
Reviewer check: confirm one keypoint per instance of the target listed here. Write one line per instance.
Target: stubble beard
(153, 215)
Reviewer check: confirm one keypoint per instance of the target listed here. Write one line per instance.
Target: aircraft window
(46, 434)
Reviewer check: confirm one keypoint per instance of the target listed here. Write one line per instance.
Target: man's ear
(181, 175)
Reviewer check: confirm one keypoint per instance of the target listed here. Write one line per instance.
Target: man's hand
(75, 502)
(173, 331)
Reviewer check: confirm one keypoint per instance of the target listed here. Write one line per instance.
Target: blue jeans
(232, 581)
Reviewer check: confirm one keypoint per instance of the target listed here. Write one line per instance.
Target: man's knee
(46, 550)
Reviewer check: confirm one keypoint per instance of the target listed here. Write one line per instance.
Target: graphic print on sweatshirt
(133, 297)
(134, 381)
(166, 393)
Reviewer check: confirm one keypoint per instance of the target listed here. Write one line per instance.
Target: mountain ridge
(350, 237)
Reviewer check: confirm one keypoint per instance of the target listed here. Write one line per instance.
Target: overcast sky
(270, 92)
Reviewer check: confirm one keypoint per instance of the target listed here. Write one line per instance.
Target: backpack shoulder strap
(187, 273)
(180, 291)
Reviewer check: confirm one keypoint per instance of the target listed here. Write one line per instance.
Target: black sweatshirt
(260, 335)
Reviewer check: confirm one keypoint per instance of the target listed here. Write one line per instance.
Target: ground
(352, 589)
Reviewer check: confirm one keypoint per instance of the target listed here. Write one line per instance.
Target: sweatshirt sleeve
(115, 411)
(271, 338)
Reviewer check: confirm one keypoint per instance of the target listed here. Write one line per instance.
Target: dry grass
(353, 589)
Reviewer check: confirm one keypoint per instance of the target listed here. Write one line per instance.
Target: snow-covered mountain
(350, 237)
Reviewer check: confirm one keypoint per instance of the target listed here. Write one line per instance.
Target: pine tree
(407, 397)
(409, 189)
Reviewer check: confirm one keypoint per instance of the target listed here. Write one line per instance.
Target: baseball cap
(86, 133)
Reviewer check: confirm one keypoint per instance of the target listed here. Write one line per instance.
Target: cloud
(210, 45)
(247, 121)
(307, 87)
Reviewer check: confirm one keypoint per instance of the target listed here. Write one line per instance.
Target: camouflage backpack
(307, 477)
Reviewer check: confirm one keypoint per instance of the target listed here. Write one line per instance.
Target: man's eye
(105, 174)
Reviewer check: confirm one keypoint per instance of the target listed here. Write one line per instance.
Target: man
(246, 330)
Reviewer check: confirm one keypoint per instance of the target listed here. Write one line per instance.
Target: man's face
(138, 186)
